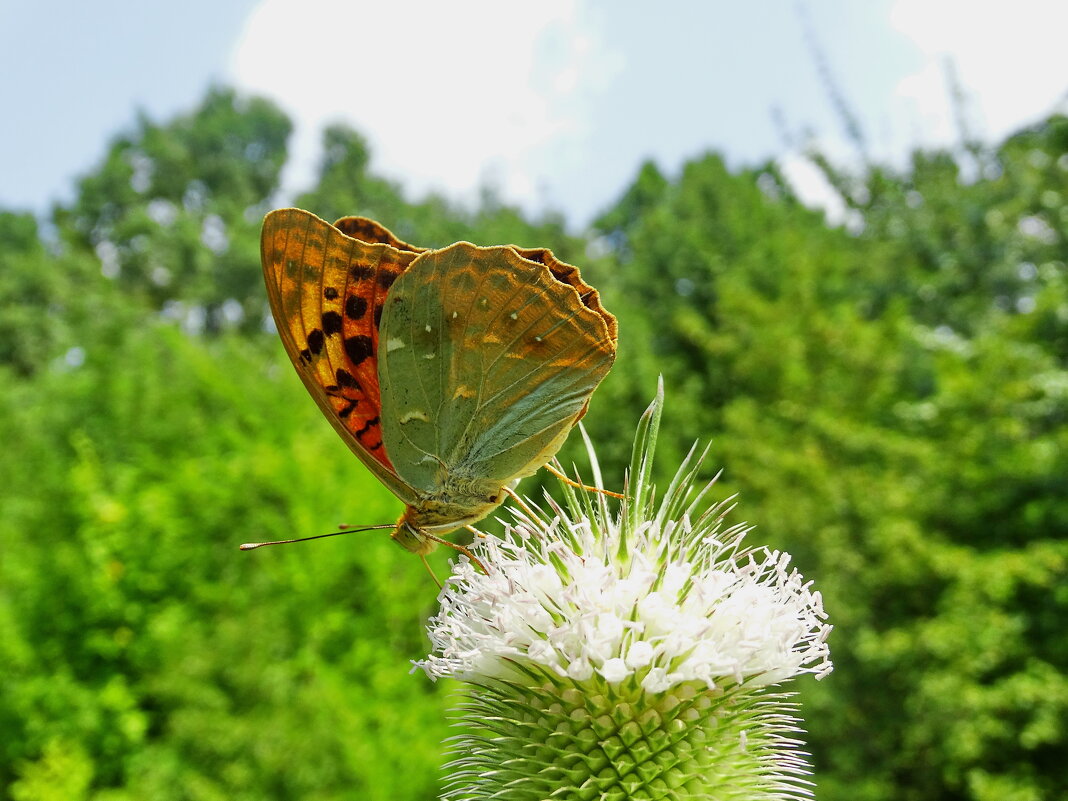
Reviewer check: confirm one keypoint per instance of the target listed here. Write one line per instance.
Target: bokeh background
(837, 229)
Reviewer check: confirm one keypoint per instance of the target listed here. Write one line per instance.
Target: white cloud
(528, 97)
(450, 95)
(1009, 59)
(812, 187)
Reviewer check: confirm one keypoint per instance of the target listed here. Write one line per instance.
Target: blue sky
(554, 104)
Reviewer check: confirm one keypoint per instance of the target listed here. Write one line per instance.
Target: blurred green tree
(173, 211)
(890, 397)
(891, 403)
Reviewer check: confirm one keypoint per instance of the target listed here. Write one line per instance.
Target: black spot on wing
(346, 379)
(355, 307)
(331, 323)
(316, 340)
(330, 293)
(358, 348)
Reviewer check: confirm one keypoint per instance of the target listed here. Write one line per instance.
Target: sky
(554, 104)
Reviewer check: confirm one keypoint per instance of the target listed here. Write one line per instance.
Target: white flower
(639, 655)
(714, 613)
(627, 655)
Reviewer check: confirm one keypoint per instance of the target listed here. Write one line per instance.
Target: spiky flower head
(627, 655)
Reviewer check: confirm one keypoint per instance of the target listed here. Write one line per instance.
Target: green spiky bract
(542, 723)
(590, 742)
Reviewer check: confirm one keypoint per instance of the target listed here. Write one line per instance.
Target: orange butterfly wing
(367, 230)
(326, 291)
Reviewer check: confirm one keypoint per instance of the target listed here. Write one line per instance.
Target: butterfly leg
(475, 531)
(577, 485)
(521, 504)
(430, 570)
(456, 547)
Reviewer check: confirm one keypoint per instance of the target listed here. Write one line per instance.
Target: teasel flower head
(628, 655)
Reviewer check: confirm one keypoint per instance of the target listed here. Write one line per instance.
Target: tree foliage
(890, 398)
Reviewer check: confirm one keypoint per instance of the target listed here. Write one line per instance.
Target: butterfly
(450, 373)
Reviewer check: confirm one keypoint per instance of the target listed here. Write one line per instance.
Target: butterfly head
(421, 527)
(411, 537)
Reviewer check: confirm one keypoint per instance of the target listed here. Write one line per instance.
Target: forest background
(889, 396)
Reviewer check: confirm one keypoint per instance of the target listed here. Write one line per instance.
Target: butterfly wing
(488, 359)
(367, 230)
(326, 291)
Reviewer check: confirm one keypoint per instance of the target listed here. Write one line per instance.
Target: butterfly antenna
(251, 546)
